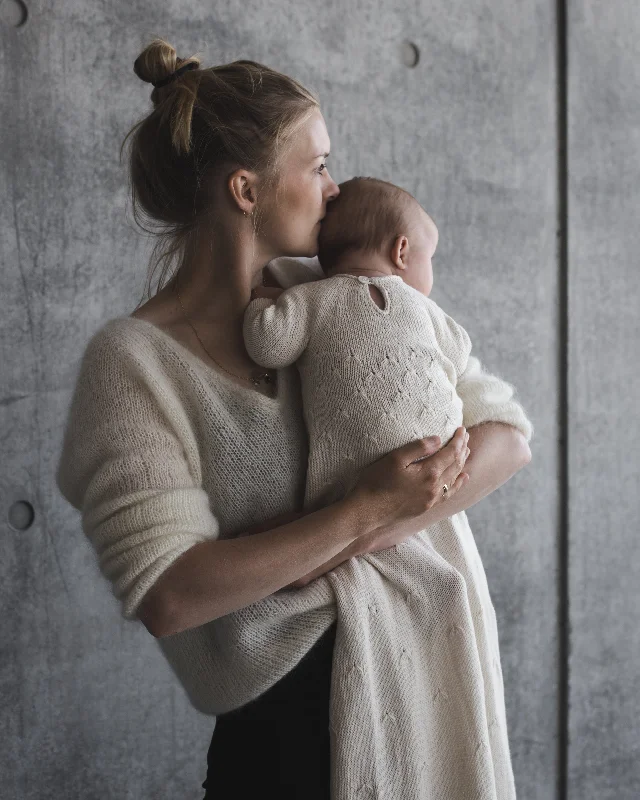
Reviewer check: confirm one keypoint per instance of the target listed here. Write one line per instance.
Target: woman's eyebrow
(322, 155)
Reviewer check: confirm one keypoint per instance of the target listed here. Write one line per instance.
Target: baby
(378, 360)
(382, 365)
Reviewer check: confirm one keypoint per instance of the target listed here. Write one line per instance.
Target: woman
(188, 460)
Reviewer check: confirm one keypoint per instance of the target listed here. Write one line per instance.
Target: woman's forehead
(312, 139)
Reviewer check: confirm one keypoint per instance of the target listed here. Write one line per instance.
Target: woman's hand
(403, 485)
(499, 451)
(408, 487)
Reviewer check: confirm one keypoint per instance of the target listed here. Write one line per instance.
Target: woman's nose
(334, 191)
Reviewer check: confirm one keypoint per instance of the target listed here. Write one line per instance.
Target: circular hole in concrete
(410, 54)
(21, 515)
(13, 13)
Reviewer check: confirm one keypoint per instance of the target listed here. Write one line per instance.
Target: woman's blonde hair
(234, 115)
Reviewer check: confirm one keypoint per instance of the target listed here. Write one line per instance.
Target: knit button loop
(362, 279)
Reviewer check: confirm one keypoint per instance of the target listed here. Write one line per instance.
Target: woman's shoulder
(133, 338)
(129, 362)
(117, 332)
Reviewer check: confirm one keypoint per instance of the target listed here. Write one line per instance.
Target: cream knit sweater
(161, 452)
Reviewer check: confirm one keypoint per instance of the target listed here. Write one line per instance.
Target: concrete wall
(604, 400)
(89, 707)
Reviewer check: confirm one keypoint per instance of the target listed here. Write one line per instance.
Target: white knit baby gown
(417, 632)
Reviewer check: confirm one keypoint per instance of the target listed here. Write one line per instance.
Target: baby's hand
(266, 291)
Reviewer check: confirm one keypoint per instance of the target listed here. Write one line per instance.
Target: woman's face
(291, 221)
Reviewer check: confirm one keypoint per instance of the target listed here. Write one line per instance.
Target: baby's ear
(399, 250)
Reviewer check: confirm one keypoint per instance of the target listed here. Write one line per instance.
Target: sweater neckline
(192, 357)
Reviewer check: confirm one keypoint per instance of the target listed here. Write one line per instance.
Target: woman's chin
(314, 246)
(310, 249)
(305, 249)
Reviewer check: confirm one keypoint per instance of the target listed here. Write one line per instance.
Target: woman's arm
(214, 578)
(498, 451)
(272, 522)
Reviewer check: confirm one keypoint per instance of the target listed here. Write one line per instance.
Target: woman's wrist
(353, 515)
(361, 513)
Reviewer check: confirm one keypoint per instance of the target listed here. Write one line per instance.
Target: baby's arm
(276, 333)
(452, 338)
(485, 397)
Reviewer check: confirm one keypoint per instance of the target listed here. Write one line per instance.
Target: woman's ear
(399, 251)
(242, 185)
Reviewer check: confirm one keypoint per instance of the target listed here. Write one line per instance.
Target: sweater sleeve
(129, 464)
(488, 398)
(276, 333)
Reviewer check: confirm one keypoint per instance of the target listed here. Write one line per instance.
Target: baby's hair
(367, 216)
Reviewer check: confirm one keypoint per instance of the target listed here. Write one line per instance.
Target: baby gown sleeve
(488, 398)
(452, 338)
(276, 334)
(485, 397)
(130, 465)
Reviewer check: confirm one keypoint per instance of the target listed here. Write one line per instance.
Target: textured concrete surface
(90, 708)
(604, 401)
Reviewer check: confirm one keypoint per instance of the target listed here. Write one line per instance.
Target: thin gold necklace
(259, 376)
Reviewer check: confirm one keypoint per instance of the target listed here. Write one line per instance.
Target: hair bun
(158, 61)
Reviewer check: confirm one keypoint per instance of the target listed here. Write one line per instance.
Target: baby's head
(375, 228)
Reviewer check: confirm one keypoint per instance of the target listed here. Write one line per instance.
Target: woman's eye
(322, 167)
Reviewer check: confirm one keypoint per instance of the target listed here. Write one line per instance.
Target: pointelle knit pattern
(418, 616)
(162, 451)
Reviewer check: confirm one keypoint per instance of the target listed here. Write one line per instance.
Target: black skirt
(278, 745)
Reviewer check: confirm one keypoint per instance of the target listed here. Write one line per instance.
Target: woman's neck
(213, 286)
(216, 278)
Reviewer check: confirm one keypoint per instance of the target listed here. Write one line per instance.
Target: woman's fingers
(454, 483)
(453, 474)
(418, 450)
(457, 450)
(445, 467)
(409, 480)
(442, 458)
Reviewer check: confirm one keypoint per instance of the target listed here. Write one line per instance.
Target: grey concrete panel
(92, 709)
(604, 429)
